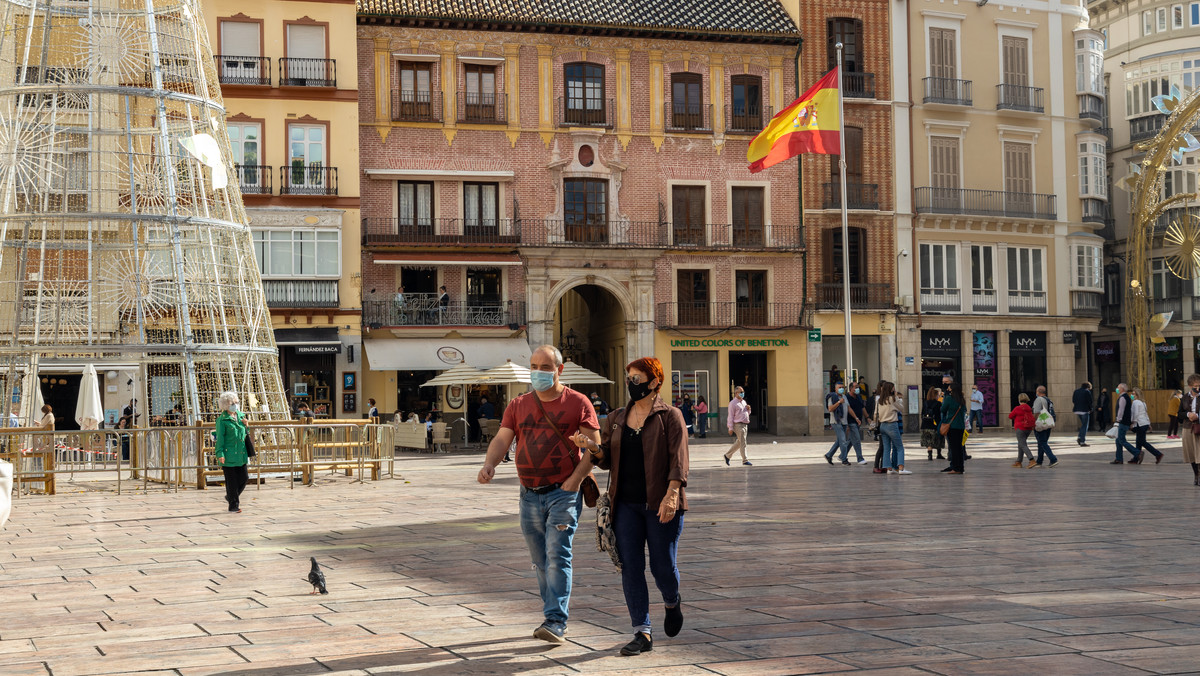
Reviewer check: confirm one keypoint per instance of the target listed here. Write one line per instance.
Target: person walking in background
(702, 417)
(890, 406)
(1081, 402)
(931, 416)
(689, 413)
(858, 414)
(1022, 420)
(1173, 414)
(1124, 422)
(373, 410)
(1103, 410)
(839, 417)
(230, 448)
(443, 304)
(736, 422)
(954, 421)
(1043, 405)
(976, 410)
(1190, 406)
(1141, 426)
(646, 452)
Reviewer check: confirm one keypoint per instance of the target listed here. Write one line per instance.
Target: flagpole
(845, 220)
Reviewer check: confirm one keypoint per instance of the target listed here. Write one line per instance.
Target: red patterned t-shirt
(542, 459)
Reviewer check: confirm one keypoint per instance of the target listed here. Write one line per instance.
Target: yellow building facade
(289, 76)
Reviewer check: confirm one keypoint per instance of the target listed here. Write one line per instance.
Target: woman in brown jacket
(1189, 412)
(645, 450)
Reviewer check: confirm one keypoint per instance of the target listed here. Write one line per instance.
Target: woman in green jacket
(231, 449)
(954, 413)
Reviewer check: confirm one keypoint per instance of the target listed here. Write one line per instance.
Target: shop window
(691, 294)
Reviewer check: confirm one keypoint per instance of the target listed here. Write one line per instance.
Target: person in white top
(889, 409)
(47, 421)
(1141, 425)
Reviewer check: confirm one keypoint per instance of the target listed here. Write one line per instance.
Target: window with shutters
(691, 294)
(687, 106)
(746, 112)
(687, 214)
(835, 265)
(750, 289)
(857, 192)
(241, 47)
(849, 33)
(585, 210)
(307, 63)
(748, 216)
(1018, 178)
(1015, 90)
(943, 85)
(944, 172)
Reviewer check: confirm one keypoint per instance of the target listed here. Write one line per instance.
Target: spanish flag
(809, 125)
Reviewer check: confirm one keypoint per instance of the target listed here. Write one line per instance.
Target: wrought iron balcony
(695, 117)
(1086, 303)
(1019, 97)
(861, 196)
(1112, 315)
(1095, 211)
(416, 106)
(862, 296)
(1091, 107)
(585, 112)
(1144, 128)
(935, 299)
(1107, 133)
(243, 70)
(660, 234)
(301, 293)
(482, 108)
(1026, 302)
(748, 118)
(440, 231)
(313, 179)
(858, 85)
(947, 90)
(985, 203)
(254, 179)
(984, 300)
(298, 72)
(748, 314)
(424, 310)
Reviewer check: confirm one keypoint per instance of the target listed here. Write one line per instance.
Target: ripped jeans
(548, 522)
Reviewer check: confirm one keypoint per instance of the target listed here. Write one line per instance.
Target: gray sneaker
(551, 632)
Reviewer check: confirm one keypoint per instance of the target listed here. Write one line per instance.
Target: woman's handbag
(944, 429)
(589, 487)
(606, 537)
(249, 446)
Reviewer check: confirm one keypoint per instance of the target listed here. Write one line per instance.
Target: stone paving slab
(788, 567)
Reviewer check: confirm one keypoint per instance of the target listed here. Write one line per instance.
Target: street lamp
(568, 342)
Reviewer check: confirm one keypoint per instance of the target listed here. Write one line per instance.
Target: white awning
(441, 354)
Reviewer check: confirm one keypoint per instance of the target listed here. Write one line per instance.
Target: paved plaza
(789, 567)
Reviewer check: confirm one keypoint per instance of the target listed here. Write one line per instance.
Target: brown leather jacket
(1185, 407)
(664, 450)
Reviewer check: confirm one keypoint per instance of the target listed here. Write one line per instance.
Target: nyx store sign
(941, 344)
(1027, 343)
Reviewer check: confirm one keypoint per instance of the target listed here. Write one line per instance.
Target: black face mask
(639, 391)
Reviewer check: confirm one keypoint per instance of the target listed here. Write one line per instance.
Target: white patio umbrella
(574, 374)
(31, 399)
(6, 479)
(89, 413)
(459, 375)
(508, 372)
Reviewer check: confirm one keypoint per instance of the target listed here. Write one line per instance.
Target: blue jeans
(703, 424)
(1123, 443)
(637, 528)
(1043, 444)
(839, 431)
(548, 522)
(977, 421)
(1085, 420)
(1142, 444)
(893, 447)
(854, 438)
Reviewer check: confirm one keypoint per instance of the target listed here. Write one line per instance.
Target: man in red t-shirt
(550, 472)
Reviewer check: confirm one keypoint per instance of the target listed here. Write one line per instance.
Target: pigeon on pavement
(316, 578)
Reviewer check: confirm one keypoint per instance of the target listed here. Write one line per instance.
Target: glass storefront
(985, 356)
(1027, 367)
(941, 353)
(1168, 364)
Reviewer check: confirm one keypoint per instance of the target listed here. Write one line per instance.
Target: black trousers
(235, 483)
(957, 452)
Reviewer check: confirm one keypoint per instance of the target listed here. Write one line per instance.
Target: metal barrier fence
(183, 457)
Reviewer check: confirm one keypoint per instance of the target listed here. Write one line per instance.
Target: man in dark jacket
(1081, 402)
(1103, 410)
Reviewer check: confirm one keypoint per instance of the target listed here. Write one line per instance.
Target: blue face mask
(541, 380)
(841, 390)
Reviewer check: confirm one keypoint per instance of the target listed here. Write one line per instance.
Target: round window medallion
(586, 156)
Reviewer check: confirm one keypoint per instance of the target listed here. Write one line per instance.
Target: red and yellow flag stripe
(809, 125)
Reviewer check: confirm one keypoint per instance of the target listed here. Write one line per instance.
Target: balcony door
(687, 110)
(415, 86)
(983, 279)
(748, 217)
(751, 292)
(691, 291)
(240, 39)
(244, 139)
(687, 215)
(584, 93)
(480, 93)
(746, 97)
(483, 287)
(943, 61)
(307, 50)
(585, 210)
(944, 173)
(854, 169)
(306, 156)
(414, 209)
(1018, 179)
(1015, 53)
(481, 204)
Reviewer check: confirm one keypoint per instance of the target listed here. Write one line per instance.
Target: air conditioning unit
(904, 302)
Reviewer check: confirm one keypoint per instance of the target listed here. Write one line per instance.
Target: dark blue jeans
(1123, 443)
(1043, 444)
(637, 528)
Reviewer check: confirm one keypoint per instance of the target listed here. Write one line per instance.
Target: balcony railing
(443, 231)
(416, 106)
(424, 310)
(243, 70)
(1027, 302)
(858, 85)
(1167, 305)
(749, 118)
(482, 108)
(862, 296)
(298, 72)
(1112, 315)
(1143, 128)
(313, 179)
(1095, 211)
(985, 203)
(661, 234)
(1019, 97)
(301, 293)
(1086, 303)
(941, 300)
(1091, 107)
(724, 315)
(947, 90)
(254, 179)
(1107, 133)
(984, 300)
(861, 196)
(689, 117)
(585, 112)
